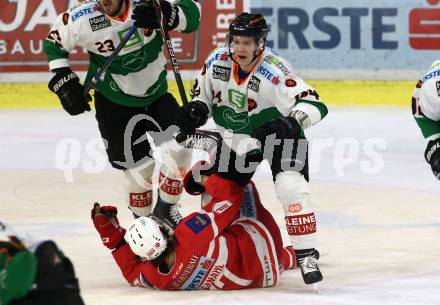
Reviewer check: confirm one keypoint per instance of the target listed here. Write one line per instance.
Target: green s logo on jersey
(236, 98)
(134, 40)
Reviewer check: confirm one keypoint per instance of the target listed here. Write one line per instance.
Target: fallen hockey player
(232, 243)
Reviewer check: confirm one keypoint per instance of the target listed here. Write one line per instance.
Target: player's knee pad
(294, 194)
(292, 188)
(139, 189)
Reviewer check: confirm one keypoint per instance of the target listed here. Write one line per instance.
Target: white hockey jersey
(426, 102)
(238, 106)
(137, 76)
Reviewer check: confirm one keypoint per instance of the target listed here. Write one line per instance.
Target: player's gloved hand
(191, 116)
(11, 246)
(70, 91)
(432, 156)
(192, 180)
(145, 16)
(282, 127)
(107, 224)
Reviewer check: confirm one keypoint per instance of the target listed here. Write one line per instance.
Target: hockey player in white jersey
(252, 93)
(426, 111)
(132, 99)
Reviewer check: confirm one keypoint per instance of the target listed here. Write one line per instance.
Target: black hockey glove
(191, 116)
(66, 85)
(282, 127)
(144, 14)
(432, 156)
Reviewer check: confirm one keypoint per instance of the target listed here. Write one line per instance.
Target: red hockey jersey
(216, 248)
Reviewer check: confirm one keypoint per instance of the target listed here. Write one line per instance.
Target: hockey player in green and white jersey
(426, 111)
(132, 99)
(34, 272)
(252, 93)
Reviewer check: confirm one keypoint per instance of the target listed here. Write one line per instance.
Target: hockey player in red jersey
(232, 243)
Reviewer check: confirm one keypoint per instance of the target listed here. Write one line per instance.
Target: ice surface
(378, 207)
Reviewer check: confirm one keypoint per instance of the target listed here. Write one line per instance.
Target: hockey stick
(100, 73)
(171, 54)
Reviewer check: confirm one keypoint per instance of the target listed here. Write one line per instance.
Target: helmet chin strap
(231, 55)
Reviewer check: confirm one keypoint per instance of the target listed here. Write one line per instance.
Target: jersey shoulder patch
(84, 10)
(277, 62)
(269, 73)
(219, 54)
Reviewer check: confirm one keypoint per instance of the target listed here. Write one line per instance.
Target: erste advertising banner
(346, 34)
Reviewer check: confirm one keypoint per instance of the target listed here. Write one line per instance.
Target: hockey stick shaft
(171, 54)
(97, 77)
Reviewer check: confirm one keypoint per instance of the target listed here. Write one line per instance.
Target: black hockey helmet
(249, 25)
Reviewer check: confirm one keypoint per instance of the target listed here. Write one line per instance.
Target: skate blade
(315, 288)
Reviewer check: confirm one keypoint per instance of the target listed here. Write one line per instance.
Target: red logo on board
(423, 27)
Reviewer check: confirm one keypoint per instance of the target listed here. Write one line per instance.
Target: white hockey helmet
(145, 238)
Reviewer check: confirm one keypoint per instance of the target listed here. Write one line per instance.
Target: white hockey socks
(294, 194)
(139, 189)
(176, 161)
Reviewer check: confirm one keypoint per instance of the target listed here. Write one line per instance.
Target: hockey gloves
(66, 85)
(10, 247)
(432, 156)
(282, 127)
(107, 224)
(144, 14)
(192, 179)
(191, 116)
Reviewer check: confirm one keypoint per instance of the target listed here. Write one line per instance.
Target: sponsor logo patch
(254, 84)
(236, 98)
(217, 56)
(267, 74)
(199, 274)
(198, 222)
(99, 23)
(277, 63)
(221, 206)
(301, 224)
(133, 41)
(133, 61)
(224, 56)
(294, 208)
(235, 121)
(170, 186)
(82, 12)
(189, 268)
(221, 73)
(252, 104)
(432, 74)
(140, 200)
(290, 82)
